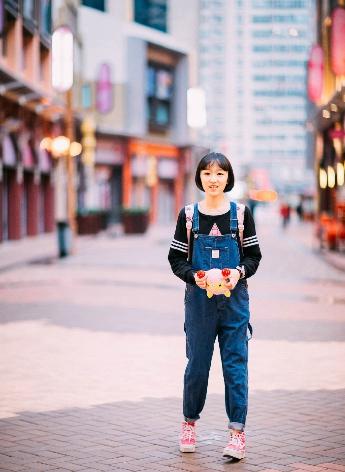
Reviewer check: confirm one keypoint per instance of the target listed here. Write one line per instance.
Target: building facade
(326, 90)
(26, 107)
(136, 72)
(254, 53)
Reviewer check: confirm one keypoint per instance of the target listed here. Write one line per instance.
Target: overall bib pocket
(215, 257)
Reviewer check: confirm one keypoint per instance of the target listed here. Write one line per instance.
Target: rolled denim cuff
(191, 420)
(237, 426)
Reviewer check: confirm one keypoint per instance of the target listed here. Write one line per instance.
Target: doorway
(166, 213)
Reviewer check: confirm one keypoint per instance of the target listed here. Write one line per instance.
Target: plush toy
(215, 283)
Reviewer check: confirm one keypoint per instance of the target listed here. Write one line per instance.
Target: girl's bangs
(222, 162)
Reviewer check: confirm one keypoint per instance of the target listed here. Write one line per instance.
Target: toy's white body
(215, 284)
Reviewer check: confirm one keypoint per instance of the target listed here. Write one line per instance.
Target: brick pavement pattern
(93, 354)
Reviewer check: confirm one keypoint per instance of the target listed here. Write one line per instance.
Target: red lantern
(338, 41)
(315, 73)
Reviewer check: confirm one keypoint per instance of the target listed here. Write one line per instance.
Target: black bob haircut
(223, 162)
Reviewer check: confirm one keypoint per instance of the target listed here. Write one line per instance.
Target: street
(93, 355)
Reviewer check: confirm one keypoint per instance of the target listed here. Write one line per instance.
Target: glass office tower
(255, 67)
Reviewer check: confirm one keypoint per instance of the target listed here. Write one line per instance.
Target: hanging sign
(315, 73)
(104, 90)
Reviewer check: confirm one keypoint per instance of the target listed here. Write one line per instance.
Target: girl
(215, 243)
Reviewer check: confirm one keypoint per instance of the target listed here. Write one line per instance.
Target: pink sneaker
(188, 437)
(236, 446)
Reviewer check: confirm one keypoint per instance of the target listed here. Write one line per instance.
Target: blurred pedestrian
(285, 213)
(207, 236)
(299, 210)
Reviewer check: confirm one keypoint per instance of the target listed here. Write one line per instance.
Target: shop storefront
(154, 179)
(101, 190)
(11, 190)
(326, 89)
(26, 189)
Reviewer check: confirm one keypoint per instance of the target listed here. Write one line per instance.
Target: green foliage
(134, 211)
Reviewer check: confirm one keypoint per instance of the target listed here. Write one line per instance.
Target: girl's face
(214, 179)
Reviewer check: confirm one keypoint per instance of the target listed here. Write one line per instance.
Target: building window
(29, 9)
(46, 17)
(159, 90)
(151, 13)
(96, 4)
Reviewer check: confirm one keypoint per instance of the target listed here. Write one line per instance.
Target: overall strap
(240, 217)
(196, 219)
(189, 210)
(233, 218)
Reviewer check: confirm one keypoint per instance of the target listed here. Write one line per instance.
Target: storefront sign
(152, 149)
(315, 73)
(109, 152)
(338, 41)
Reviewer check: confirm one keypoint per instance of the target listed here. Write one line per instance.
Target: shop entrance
(116, 194)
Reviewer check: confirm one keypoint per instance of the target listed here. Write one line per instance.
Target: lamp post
(63, 149)
(62, 81)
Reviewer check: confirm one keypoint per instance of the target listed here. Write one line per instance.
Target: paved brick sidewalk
(134, 436)
(91, 367)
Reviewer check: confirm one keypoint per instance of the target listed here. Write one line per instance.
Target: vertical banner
(104, 90)
(315, 73)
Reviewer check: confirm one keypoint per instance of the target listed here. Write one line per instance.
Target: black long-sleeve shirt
(214, 225)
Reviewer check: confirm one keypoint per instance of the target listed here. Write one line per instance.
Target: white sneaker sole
(234, 454)
(186, 448)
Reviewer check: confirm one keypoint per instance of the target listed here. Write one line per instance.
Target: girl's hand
(231, 277)
(200, 278)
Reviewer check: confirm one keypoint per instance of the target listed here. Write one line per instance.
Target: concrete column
(14, 205)
(48, 196)
(154, 202)
(32, 204)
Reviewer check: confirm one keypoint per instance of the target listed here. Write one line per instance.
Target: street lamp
(61, 146)
(62, 81)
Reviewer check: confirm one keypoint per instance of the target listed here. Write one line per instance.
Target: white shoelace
(236, 439)
(188, 432)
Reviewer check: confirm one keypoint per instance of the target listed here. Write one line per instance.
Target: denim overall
(206, 318)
